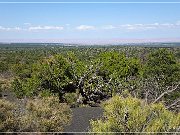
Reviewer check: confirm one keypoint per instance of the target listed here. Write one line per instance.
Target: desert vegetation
(139, 83)
(127, 114)
(36, 115)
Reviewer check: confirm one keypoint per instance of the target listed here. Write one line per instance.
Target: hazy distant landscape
(148, 44)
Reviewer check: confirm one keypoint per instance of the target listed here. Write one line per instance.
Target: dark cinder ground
(81, 117)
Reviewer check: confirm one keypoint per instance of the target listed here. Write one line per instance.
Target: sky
(42, 21)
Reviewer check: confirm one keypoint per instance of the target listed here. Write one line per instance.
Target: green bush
(37, 115)
(133, 115)
(70, 98)
(162, 65)
(118, 64)
(161, 74)
(56, 74)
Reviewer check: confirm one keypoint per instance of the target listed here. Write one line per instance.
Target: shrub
(119, 71)
(56, 74)
(70, 98)
(8, 121)
(118, 65)
(38, 115)
(162, 64)
(46, 115)
(133, 115)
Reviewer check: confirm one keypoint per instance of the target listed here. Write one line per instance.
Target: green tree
(118, 65)
(56, 74)
(122, 72)
(161, 78)
(162, 65)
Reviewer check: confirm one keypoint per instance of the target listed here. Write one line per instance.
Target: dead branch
(166, 92)
(174, 103)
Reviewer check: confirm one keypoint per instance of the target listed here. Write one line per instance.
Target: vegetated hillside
(90, 75)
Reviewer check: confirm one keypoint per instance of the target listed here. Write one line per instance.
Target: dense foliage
(90, 75)
(61, 75)
(102, 76)
(134, 115)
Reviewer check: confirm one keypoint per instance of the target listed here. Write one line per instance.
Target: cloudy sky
(89, 20)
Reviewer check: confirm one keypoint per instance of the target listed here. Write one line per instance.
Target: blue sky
(89, 21)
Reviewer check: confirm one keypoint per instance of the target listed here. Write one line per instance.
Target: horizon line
(93, 41)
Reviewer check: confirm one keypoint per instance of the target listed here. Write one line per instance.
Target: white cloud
(126, 25)
(122, 27)
(45, 28)
(139, 24)
(155, 24)
(31, 28)
(108, 27)
(27, 23)
(17, 28)
(142, 27)
(167, 24)
(178, 23)
(2, 28)
(85, 27)
(131, 28)
(10, 28)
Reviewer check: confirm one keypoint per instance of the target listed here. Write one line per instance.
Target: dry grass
(39, 115)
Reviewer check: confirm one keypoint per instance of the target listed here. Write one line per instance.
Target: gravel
(81, 118)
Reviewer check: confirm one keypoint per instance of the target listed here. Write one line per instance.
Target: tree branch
(174, 103)
(166, 92)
